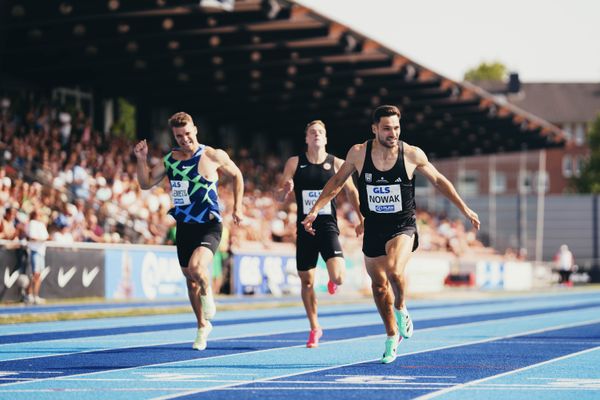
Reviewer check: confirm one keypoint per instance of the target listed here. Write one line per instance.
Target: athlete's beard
(384, 142)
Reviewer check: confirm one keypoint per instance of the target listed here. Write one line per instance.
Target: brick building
(570, 106)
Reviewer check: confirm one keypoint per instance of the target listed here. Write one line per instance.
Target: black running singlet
(386, 194)
(309, 180)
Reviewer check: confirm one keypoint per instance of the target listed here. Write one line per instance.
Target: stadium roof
(270, 65)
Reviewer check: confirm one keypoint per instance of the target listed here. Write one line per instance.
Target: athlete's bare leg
(308, 296)
(382, 294)
(197, 279)
(399, 250)
(336, 267)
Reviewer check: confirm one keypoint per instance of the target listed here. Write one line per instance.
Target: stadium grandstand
(251, 77)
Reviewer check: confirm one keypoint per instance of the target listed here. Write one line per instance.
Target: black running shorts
(189, 237)
(308, 247)
(379, 232)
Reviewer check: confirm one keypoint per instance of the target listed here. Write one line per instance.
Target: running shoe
(202, 336)
(405, 325)
(331, 287)
(391, 347)
(209, 308)
(313, 338)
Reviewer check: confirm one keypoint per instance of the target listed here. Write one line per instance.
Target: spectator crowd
(82, 184)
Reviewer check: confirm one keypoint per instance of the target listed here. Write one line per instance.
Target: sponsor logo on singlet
(384, 199)
(309, 198)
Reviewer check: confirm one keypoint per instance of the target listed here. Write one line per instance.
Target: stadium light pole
(523, 200)
(541, 202)
(492, 198)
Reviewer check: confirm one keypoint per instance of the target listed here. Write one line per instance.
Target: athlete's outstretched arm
(147, 177)
(286, 183)
(229, 168)
(352, 194)
(331, 189)
(444, 185)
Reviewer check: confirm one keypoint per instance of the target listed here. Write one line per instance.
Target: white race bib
(384, 199)
(309, 198)
(179, 192)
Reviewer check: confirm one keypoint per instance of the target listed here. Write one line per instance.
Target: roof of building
(556, 102)
(269, 65)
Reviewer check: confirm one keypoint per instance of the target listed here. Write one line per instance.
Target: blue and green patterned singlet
(194, 198)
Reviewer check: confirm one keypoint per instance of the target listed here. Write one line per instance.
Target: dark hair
(180, 119)
(385, 111)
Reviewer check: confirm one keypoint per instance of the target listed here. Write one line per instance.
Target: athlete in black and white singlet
(387, 201)
(309, 179)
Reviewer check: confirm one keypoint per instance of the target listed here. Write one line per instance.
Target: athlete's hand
(360, 228)
(473, 217)
(307, 223)
(285, 191)
(237, 216)
(141, 150)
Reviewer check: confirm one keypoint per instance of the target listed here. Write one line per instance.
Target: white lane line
(469, 385)
(142, 343)
(470, 324)
(194, 391)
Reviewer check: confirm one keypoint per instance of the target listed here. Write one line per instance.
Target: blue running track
(530, 347)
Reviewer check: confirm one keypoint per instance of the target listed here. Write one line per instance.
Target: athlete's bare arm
(286, 183)
(332, 187)
(147, 177)
(228, 167)
(352, 194)
(418, 157)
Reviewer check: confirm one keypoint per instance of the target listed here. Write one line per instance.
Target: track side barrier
(120, 271)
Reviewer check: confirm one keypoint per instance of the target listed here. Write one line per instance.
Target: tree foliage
(493, 71)
(124, 126)
(589, 180)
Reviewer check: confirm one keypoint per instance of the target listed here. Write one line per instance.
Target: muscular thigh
(376, 268)
(398, 251)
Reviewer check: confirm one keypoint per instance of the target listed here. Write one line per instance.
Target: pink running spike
(313, 338)
(331, 287)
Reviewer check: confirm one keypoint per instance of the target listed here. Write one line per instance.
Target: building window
(567, 166)
(568, 129)
(579, 134)
(468, 183)
(498, 184)
(525, 181)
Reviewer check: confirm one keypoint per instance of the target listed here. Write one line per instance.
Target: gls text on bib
(384, 199)
(309, 198)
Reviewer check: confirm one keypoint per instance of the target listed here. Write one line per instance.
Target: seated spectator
(62, 233)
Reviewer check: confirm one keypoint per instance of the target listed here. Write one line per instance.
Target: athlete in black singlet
(386, 168)
(306, 174)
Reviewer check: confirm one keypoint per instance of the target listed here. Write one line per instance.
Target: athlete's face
(387, 131)
(316, 136)
(185, 136)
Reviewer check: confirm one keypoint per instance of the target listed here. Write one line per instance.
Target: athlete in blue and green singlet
(193, 171)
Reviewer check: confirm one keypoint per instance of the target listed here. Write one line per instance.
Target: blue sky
(542, 40)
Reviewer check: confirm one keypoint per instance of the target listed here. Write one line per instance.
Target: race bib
(179, 192)
(309, 198)
(384, 199)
